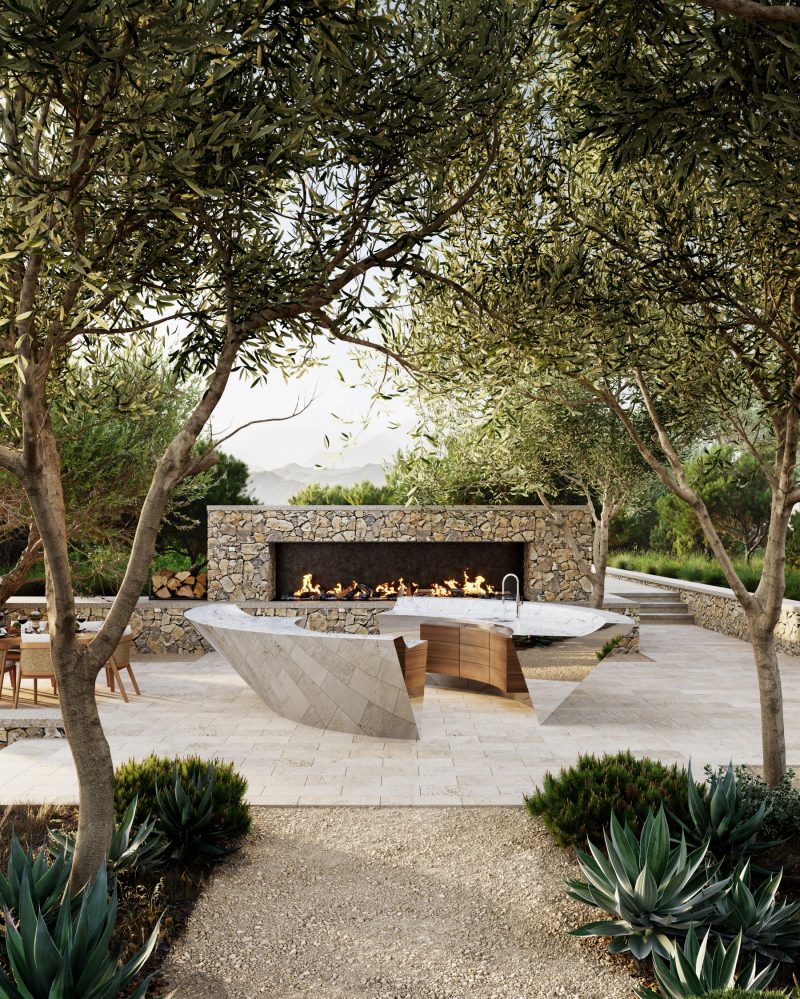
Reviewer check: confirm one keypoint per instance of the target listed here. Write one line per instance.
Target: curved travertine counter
(553, 620)
(348, 683)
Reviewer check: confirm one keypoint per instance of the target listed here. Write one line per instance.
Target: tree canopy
(221, 177)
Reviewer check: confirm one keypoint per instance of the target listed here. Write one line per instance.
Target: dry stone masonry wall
(242, 539)
(241, 569)
(717, 609)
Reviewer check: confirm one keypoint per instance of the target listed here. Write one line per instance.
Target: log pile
(168, 585)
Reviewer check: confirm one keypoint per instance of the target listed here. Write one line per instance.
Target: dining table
(12, 641)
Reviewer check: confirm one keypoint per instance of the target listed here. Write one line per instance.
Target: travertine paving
(696, 697)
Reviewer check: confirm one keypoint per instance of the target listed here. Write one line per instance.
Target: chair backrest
(122, 653)
(34, 660)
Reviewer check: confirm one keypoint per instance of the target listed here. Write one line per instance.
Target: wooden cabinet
(482, 653)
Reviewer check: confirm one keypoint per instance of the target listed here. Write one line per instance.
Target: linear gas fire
(384, 570)
(262, 554)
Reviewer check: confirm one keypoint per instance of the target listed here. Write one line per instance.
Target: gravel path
(392, 903)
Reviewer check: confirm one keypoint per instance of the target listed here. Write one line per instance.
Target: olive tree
(656, 262)
(130, 408)
(565, 447)
(221, 177)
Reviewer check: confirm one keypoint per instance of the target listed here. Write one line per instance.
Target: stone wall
(717, 609)
(13, 729)
(159, 626)
(242, 539)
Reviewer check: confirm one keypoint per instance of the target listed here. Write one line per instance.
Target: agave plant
(46, 881)
(73, 960)
(765, 925)
(186, 817)
(144, 851)
(695, 969)
(721, 818)
(655, 890)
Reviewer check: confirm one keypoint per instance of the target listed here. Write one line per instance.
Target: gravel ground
(392, 903)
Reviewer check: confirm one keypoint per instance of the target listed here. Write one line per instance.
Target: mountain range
(274, 486)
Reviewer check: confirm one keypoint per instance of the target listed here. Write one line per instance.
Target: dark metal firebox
(374, 562)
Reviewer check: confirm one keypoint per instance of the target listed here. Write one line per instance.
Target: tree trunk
(14, 578)
(600, 556)
(773, 743)
(93, 763)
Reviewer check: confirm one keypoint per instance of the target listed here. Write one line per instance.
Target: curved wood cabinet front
(483, 653)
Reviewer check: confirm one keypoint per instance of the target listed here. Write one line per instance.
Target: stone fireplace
(262, 553)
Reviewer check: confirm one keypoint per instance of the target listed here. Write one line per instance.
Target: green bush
(609, 646)
(700, 569)
(577, 803)
(141, 777)
(782, 818)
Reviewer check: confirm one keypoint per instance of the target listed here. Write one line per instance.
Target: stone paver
(696, 697)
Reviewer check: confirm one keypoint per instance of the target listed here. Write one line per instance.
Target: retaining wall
(717, 609)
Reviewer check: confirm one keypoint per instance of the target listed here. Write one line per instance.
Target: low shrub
(608, 647)
(141, 778)
(577, 803)
(782, 817)
(699, 569)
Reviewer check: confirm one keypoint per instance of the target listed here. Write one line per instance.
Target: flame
(308, 587)
(475, 587)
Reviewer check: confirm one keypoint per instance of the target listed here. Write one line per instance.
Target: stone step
(666, 617)
(678, 606)
(657, 596)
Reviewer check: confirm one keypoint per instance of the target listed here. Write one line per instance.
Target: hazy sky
(301, 440)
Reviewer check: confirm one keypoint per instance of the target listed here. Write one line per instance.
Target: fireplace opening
(384, 570)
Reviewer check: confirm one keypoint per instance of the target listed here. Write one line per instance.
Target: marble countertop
(554, 620)
(222, 615)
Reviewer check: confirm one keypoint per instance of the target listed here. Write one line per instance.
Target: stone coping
(104, 602)
(477, 507)
(230, 616)
(687, 584)
(535, 617)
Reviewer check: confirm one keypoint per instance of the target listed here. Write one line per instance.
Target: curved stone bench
(331, 680)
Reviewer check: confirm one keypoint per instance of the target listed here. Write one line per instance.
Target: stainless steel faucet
(515, 577)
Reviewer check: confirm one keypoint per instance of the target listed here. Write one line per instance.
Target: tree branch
(752, 10)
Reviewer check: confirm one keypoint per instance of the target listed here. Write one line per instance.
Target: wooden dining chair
(9, 661)
(35, 664)
(121, 659)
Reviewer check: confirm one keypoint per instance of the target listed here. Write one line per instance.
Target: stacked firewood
(168, 585)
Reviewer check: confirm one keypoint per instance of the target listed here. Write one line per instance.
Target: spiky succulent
(766, 926)
(723, 819)
(144, 850)
(186, 817)
(655, 890)
(46, 880)
(71, 961)
(695, 969)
